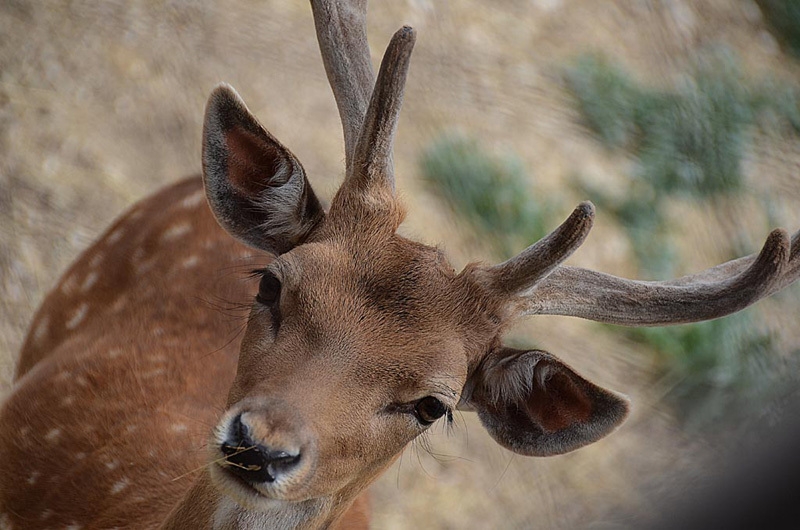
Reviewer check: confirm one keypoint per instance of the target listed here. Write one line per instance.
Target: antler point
(586, 208)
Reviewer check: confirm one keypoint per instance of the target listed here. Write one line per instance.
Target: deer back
(126, 367)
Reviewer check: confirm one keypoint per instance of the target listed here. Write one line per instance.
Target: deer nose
(253, 461)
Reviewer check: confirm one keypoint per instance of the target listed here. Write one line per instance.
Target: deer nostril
(239, 431)
(279, 462)
(253, 461)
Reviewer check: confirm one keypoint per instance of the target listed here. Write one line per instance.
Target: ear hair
(255, 186)
(534, 404)
(506, 379)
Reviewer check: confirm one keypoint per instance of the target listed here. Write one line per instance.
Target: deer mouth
(230, 474)
(242, 491)
(250, 481)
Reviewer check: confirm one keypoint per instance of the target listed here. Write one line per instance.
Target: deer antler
(373, 155)
(547, 288)
(540, 259)
(368, 127)
(342, 35)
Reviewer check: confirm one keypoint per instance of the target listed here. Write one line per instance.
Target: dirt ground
(101, 103)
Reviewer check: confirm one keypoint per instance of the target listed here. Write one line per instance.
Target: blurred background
(679, 119)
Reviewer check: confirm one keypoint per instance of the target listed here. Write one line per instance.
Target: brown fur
(126, 371)
(67, 478)
(156, 352)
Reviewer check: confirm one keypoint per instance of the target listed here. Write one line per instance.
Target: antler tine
(538, 260)
(341, 28)
(373, 155)
(713, 293)
(736, 266)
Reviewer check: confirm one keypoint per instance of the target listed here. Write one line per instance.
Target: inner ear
(253, 164)
(534, 404)
(557, 400)
(255, 186)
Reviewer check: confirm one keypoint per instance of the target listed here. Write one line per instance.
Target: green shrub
(490, 192)
(688, 143)
(720, 370)
(607, 98)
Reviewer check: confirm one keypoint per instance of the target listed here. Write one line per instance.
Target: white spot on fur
(146, 265)
(136, 213)
(80, 456)
(67, 401)
(152, 373)
(132, 427)
(158, 331)
(120, 485)
(195, 199)
(178, 427)
(115, 236)
(157, 359)
(190, 262)
(114, 353)
(5, 522)
(89, 281)
(70, 284)
(119, 304)
(208, 244)
(45, 515)
(77, 316)
(52, 435)
(73, 526)
(112, 465)
(175, 231)
(97, 259)
(81, 381)
(42, 328)
(33, 477)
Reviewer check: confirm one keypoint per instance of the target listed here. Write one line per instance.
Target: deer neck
(204, 507)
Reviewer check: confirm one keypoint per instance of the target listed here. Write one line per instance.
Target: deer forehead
(386, 286)
(395, 317)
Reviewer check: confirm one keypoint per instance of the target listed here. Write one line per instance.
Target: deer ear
(256, 187)
(534, 404)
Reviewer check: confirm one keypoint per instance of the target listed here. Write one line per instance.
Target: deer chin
(256, 497)
(261, 505)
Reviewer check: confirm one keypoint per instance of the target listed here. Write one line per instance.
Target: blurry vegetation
(783, 16)
(492, 193)
(687, 144)
(688, 141)
(721, 370)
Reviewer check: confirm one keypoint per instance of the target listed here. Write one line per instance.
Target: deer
(131, 408)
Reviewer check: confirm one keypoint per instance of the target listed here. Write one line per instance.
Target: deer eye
(429, 409)
(269, 289)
